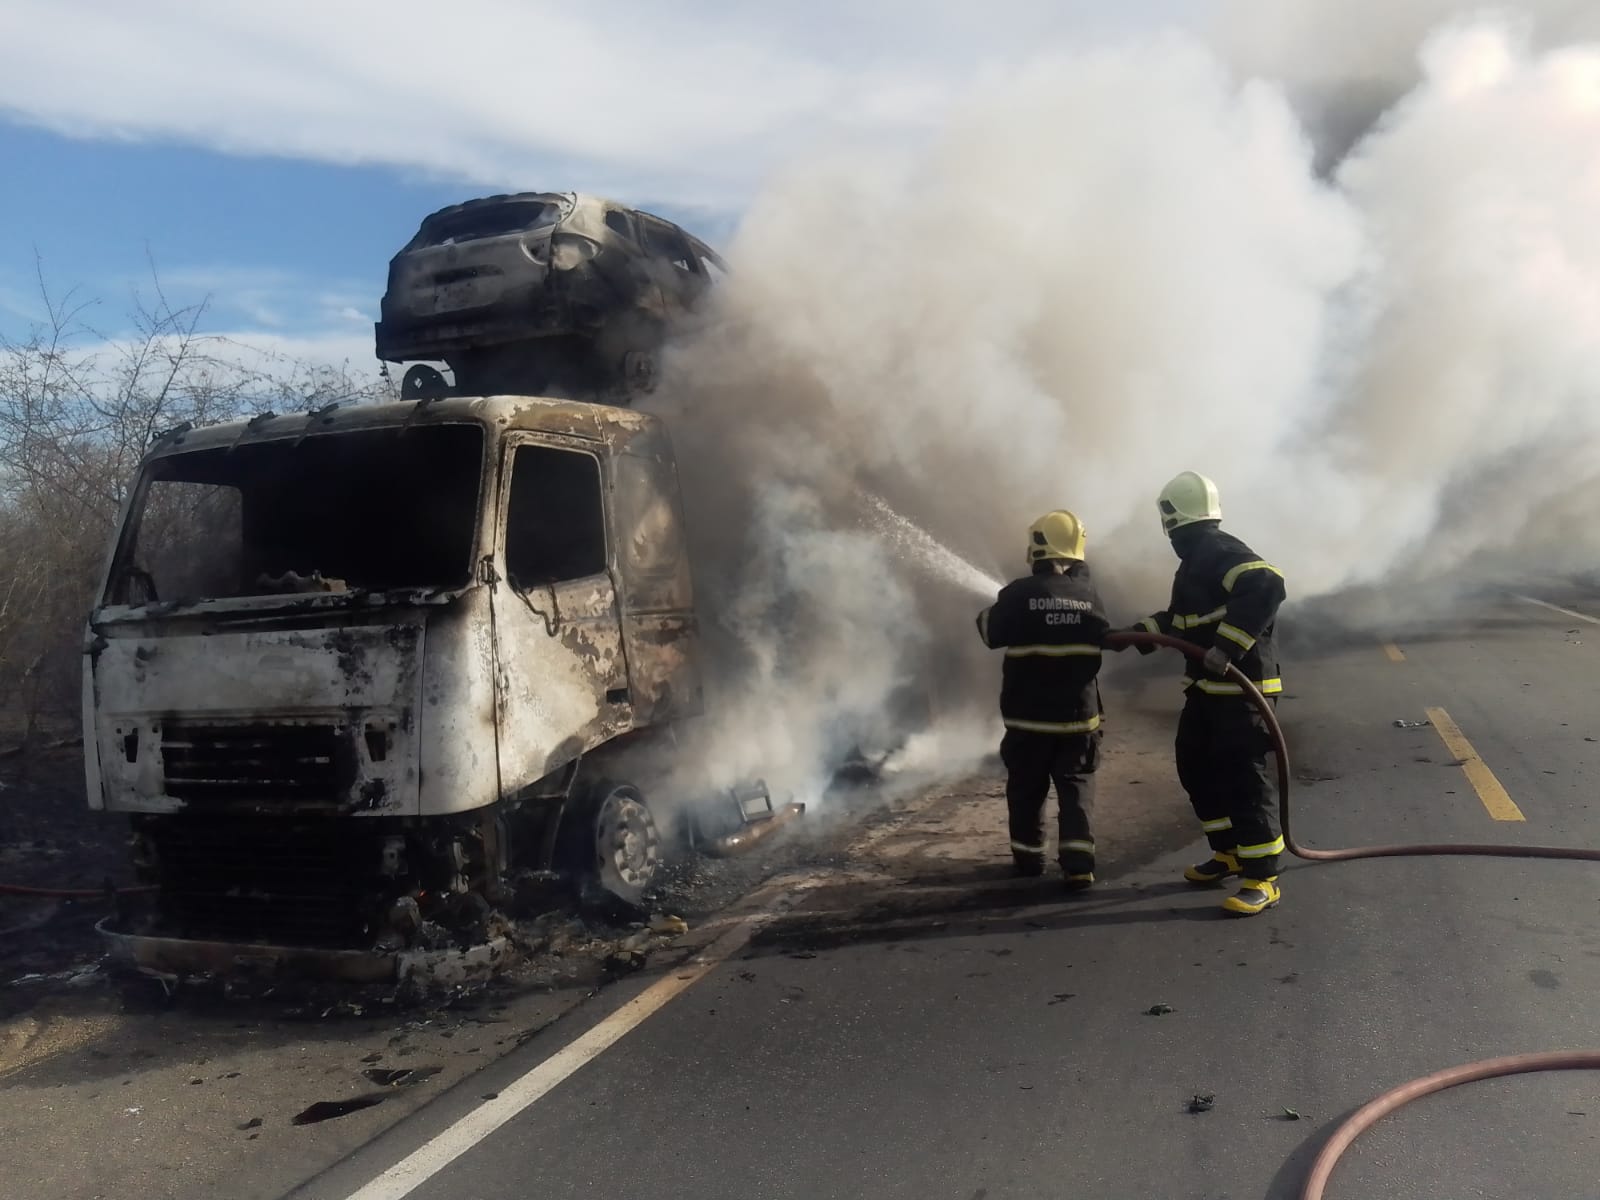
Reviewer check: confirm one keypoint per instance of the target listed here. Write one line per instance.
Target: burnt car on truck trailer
(539, 292)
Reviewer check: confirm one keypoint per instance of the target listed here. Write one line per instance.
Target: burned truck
(353, 667)
(544, 293)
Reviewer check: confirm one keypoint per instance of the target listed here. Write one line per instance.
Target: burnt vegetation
(78, 408)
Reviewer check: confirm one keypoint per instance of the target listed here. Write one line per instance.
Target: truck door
(561, 678)
(659, 630)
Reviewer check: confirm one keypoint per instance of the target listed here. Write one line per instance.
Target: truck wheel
(627, 844)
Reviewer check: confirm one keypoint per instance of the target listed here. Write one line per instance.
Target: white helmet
(1189, 498)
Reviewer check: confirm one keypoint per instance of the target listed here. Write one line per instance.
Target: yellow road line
(1495, 798)
(1396, 655)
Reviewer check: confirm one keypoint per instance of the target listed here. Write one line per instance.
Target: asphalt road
(890, 1036)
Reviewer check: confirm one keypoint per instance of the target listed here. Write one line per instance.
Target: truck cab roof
(568, 418)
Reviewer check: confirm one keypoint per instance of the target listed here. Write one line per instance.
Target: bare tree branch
(78, 409)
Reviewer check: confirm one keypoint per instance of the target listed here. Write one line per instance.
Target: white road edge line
(434, 1155)
(1566, 612)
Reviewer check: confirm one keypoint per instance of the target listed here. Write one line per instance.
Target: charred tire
(624, 843)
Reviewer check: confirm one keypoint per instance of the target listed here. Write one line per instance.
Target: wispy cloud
(20, 304)
(286, 303)
(262, 314)
(678, 104)
(248, 352)
(333, 349)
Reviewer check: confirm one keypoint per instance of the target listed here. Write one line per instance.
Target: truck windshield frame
(366, 510)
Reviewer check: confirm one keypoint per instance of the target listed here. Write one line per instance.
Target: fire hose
(1387, 1102)
(17, 889)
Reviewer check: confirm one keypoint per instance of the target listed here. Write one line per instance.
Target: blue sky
(97, 213)
(272, 157)
(291, 246)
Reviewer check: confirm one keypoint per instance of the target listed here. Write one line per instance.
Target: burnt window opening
(555, 517)
(617, 221)
(493, 220)
(190, 543)
(712, 269)
(368, 510)
(664, 241)
(649, 532)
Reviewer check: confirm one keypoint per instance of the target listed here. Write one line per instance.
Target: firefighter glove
(1216, 661)
(1119, 646)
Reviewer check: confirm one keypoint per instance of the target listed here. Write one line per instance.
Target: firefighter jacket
(1051, 627)
(1224, 595)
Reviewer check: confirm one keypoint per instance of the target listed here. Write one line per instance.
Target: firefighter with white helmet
(1225, 600)
(1050, 624)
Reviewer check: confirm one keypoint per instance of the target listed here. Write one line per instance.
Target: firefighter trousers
(1222, 750)
(1033, 762)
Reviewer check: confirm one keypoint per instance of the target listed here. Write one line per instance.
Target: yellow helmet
(1056, 535)
(1189, 498)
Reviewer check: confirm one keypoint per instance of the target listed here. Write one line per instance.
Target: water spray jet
(916, 545)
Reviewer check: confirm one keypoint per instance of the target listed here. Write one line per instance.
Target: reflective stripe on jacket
(1224, 594)
(1050, 627)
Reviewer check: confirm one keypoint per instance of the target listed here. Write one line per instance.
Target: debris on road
(1199, 1103)
(327, 1110)
(667, 926)
(755, 826)
(1059, 997)
(1289, 1114)
(252, 1123)
(1159, 1010)
(635, 943)
(400, 1076)
(1401, 724)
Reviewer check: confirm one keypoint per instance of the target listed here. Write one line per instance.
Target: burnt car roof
(558, 205)
(564, 198)
(566, 203)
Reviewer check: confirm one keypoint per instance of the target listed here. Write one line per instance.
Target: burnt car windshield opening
(496, 220)
(369, 510)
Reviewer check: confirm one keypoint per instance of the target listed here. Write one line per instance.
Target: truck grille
(302, 883)
(219, 764)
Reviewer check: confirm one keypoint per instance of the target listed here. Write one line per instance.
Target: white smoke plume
(1107, 267)
(1343, 63)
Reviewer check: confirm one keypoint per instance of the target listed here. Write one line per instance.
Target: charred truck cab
(353, 671)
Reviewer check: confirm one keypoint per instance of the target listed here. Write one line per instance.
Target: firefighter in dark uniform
(1050, 624)
(1225, 600)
